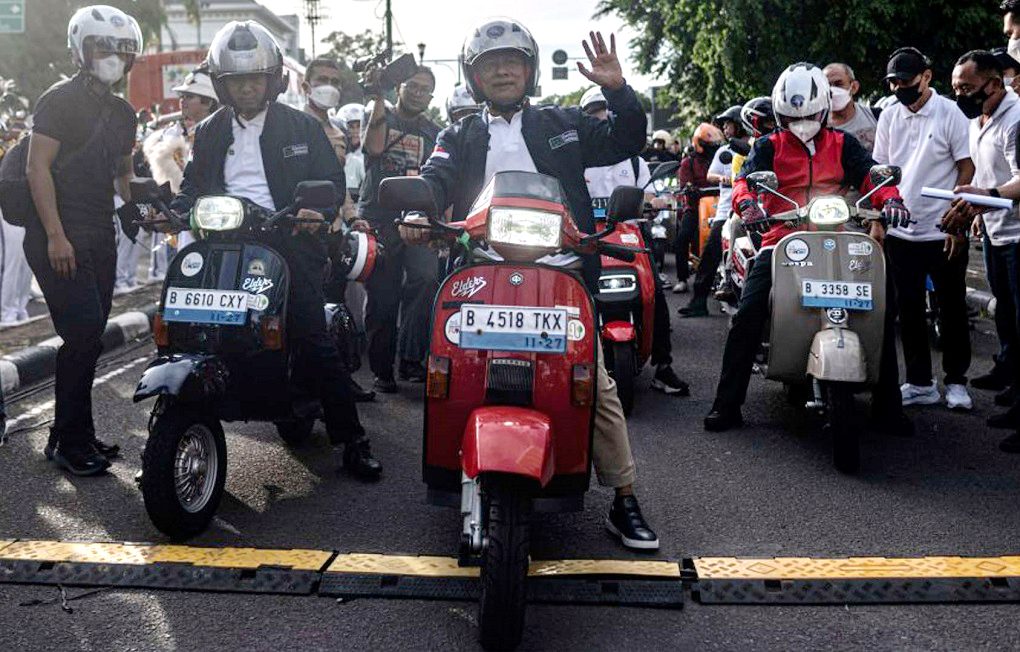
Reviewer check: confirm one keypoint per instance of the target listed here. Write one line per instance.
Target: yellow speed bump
(805, 568)
(139, 554)
(414, 566)
(4, 543)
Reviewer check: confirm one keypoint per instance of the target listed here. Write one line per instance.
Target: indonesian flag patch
(439, 152)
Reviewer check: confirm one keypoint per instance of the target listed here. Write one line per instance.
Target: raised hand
(605, 66)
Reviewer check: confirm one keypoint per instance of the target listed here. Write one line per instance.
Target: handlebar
(619, 252)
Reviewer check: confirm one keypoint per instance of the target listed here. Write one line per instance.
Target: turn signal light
(272, 333)
(160, 331)
(582, 389)
(438, 381)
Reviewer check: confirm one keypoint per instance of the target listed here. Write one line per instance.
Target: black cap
(905, 64)
(1005, 60)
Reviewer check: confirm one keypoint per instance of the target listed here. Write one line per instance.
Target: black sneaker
(994, 380)
(1007, 397)
(626, 522)
(1011, 444)
(84, 461)
(358, 460)
(720, 420)
(109, 451)
(699, 309)
(666, 380)
(361, 395)
(411, 372)
(385, 385)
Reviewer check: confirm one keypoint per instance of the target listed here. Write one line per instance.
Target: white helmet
(664, 136)
(102, 27)
(349, 113)
(592, 96)
(461, 101)
(801, 100)
(499, 34)
(198, 82)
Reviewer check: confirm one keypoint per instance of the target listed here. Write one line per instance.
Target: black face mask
(972, 104)
(909, 95)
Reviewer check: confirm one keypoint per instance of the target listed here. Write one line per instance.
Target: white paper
(977, 200)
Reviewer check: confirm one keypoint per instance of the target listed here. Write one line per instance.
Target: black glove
(129, 216)
(753, 216)
(894, 214)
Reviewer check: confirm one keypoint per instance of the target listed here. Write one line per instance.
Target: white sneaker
(680, 287)
(919, 394)
(957, 398)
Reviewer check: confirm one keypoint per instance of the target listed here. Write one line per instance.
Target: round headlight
(829, 211)
(217, 213)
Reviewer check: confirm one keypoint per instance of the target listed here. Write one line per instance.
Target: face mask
(1007, 81)
(805, 129)
(908, 95)
(1013, 49)
(108, 70)
(840, 98)
(325, 96)
(972, 104)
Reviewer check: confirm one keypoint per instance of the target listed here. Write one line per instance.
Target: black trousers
(79, 308)
(319, 367)
(745, 337)
(1002, 266)
(709, 266)
(402, 287)
(909, 264)
(662, 347)
(686, 235)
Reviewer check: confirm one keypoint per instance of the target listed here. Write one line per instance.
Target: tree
(574, 98)
(718, 52)
(39, 57)
(348, 49)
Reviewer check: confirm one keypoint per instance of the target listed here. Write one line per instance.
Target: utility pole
(314, 16)
(389, 28)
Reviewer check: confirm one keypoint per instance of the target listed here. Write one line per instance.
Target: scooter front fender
(837, 355)
(619, 331)
(506, 439)
(192, 377)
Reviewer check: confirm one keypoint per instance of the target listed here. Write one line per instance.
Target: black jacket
(294, 149)
(562, 143)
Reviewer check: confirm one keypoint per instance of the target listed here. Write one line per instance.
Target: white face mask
(108, 70)
(840, 98)
(1007, 81)
(1013, 49)
(325, 96)
(805, 129)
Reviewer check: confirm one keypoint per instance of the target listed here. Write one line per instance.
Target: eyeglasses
(418, 89)
(510, 60)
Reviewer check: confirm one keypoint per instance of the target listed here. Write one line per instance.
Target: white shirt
(603, 180)
(243, 171)
(354, 170)
(927, 146)
(507, 149)
(722, 212)
(993, 149)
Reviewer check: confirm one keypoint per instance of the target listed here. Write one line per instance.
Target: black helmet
(246, 48)
(499, 34)
(755, 114)
(731, 114)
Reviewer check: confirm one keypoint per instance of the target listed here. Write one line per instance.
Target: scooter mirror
(881, 173)
(663, 170)
(626, 203)
(764, 179)
(407, 194)
(315, 194)
(145, 190)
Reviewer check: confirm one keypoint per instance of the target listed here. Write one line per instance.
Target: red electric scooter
(512, 370)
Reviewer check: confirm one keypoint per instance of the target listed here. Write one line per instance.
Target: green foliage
(574, 98)
(718, 52)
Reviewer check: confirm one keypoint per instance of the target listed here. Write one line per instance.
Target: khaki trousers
(614, 464)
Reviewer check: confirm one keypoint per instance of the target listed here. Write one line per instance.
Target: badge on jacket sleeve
(563, 139)
(295, 150)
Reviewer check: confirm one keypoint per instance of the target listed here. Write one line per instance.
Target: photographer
(396, 144)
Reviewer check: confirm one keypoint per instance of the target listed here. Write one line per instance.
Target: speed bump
(857, 580)
(576, 581)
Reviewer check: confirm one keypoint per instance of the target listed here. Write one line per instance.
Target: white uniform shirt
(354, 170)
(603, 180)
(927, 146)
(722, 212)
(507, 149)
(993, 149)
(243, 170)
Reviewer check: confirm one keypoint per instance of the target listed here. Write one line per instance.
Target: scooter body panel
(836, 356)
(636, 305)
(507, 439)
(191, 377)
(829, 257)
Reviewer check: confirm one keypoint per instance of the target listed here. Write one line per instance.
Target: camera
(394, 73)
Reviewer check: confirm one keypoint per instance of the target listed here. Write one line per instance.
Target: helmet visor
(112, 44)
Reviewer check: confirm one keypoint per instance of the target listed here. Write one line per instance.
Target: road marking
(804, 568)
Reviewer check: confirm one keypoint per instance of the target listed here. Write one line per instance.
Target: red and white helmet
(801, 100)
(358, 256)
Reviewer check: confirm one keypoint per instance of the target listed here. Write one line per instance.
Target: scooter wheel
(846, 445)
(504, 572)
(621, 366)
(184, 468)
(295, 432)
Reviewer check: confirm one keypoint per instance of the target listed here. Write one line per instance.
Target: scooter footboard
(514, 440)
(836, 355)
(190, 377)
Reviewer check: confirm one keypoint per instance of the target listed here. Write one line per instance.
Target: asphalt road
(766, 490)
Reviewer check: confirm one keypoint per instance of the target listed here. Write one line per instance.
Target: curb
(981, 301)
(38, 362)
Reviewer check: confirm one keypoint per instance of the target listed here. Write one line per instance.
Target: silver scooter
(828, 307)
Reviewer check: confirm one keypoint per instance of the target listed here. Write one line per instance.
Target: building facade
(179, 33)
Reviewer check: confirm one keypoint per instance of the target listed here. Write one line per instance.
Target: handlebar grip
(616, 251)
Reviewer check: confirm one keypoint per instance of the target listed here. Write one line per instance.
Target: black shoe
(1011, 444)
(385, 385)
(626, 522)
(84, 461)
(1008, 420)
(411, 372)
(109, 451)
(725, 295)
(994, 380)
(666, 381)
(695, 309)
(361, 395)
(358, 460)
(1008, 396)
(892, 424)
(720, 420)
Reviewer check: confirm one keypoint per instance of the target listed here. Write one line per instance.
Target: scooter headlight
(525, 227)
(614, 283)
(829, 211)
(217, 214)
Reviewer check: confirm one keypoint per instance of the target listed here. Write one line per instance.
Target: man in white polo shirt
(927, 136)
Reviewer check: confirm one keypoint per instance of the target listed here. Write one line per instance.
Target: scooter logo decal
(192, 264)
(859, 265)
(452, 329)
(836, 315)
(829, 244)
(629, 238)
(575, 330)
(256, 267)
(797, 250)
(516, 279)
(258, 302)
(257, 284)
(863, 248)
(469, 287)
